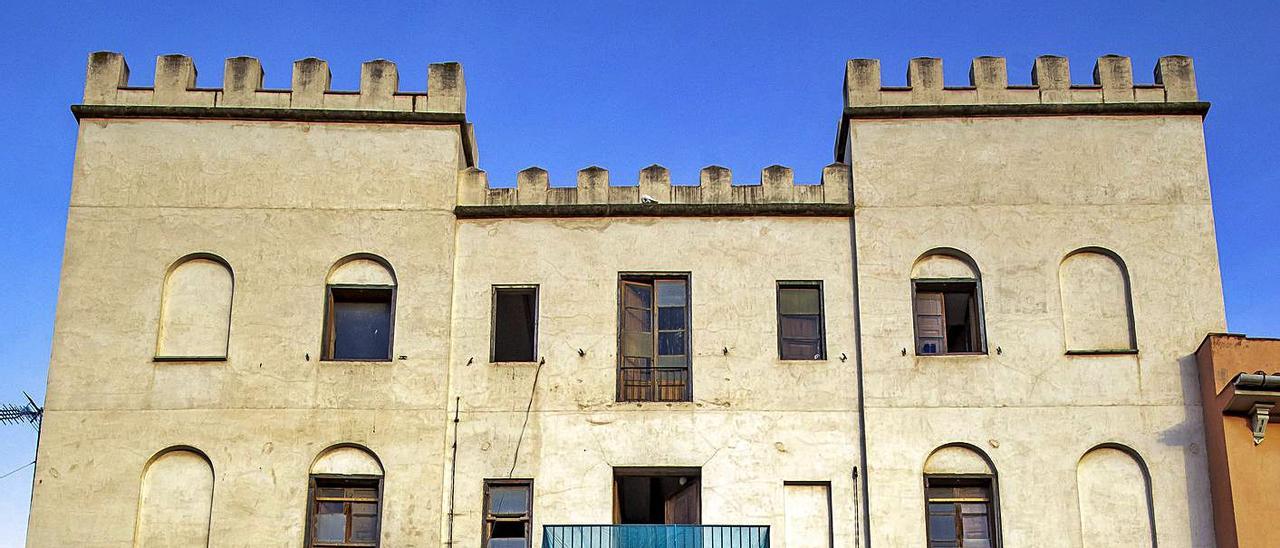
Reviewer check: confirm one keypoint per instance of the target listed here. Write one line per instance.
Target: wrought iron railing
(655, 536)
(653, 384)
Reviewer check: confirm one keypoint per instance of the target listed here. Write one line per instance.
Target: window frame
(822, 316)
(652, 279)
(979, 312)
(309, 540)
(485, 510)
(993, 504)
(329, 336)
(493, 318)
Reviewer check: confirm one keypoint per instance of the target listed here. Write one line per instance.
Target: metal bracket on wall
(1259, 416)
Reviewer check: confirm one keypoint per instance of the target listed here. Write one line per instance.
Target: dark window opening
(653, 362)
(948, 318)
(508, 513)
(515, 324)
(344, 512)
(961, 512)
(800, 321)
(358, 323)
(657, 496)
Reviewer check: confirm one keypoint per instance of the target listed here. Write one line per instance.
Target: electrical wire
(529, 408)
(18, 469)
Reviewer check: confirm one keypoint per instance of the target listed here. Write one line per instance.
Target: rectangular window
(801, 332)
(345, 512)
(653, 356)
(508, 513)
(948, 320)
(358, 323)
(960, 512)
(515, 324)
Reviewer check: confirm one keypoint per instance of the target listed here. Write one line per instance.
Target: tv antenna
(20, 413)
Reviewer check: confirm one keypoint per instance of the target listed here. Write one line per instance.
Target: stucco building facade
(306, 317)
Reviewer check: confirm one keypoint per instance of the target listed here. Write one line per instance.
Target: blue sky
(621, 85)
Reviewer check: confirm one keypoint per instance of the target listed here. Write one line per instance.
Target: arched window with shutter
(946, 292)
(961, 498)
(344, 502)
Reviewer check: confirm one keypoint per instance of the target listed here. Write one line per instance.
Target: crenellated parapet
(107, 83)
(715, 194)
(1174, 82)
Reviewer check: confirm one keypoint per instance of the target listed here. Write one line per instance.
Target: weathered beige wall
(281, 202)
(1114, 510)
(177, 492)
(1095, 303)
(195, 313)
(808, 516)
(755, 421)
(956, 459)
(347, 461)
(1018, 195)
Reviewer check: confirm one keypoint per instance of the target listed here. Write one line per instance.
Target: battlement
(107, 83)
(715, 194)
(1175, 82)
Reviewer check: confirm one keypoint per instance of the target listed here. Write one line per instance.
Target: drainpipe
(453, 467)
(857, 359)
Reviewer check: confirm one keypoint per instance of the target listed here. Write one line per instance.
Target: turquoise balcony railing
(655, 536)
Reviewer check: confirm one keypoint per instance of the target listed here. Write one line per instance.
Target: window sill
(643, 403)
(353, 361)
(800, 361)
(1104, 352)
(531, 363)
(171, 359)
(952, 355)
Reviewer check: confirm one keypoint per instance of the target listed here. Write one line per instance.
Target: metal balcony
(655, 536)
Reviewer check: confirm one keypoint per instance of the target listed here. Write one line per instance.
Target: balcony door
(657, 496)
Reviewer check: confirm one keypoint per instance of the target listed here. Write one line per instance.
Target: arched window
(176, 499)
(960, 495)
(360, 298)
(1097, 312)
(195, 309)
(947, 297)
(344, 501)
(1114, 491)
